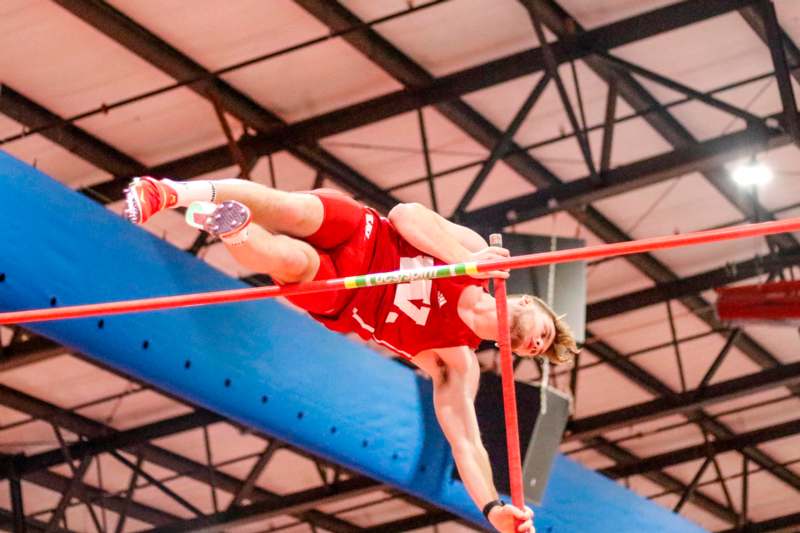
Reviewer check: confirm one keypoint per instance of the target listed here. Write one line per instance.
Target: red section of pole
(522, 261)
(509, 392)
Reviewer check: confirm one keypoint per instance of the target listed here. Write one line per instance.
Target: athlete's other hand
(490, 253)
(503, 518)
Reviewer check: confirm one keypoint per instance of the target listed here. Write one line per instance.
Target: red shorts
(342, 247)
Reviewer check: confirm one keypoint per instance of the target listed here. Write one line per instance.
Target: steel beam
(95, 496)
(709, 449)
(160, 54)
(551, 66)
(119, 440)
(7, 523)
(782, 376)
(68, 494)
(502, 145)
(293, 504)
(775, 39)
(177, 463)
(581, 192)
(443, 89)
(30, 351)
(72, 138)
(412, 523)
(714, 427)
(17, 506)
(669, 482)
(785, 523)
(255, 473)
(690, 285)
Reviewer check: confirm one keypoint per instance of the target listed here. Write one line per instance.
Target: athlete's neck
(477, 310)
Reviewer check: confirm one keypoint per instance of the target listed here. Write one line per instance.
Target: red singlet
(406, 318)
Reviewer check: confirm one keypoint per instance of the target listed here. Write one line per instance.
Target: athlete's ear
(526, 299)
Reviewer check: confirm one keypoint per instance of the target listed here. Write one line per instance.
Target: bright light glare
(752, 174)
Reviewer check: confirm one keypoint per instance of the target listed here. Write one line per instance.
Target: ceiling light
(752, 174)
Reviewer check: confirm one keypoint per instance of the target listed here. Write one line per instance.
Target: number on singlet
(416, 290)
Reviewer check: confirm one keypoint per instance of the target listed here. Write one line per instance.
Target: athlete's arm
(455, 374)
(431, 233)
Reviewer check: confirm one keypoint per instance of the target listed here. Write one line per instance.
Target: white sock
(192, 191)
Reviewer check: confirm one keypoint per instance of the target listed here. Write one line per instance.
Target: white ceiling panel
(289, 173)
(228, 443)
(71, 381)
(614, 278)
(690, 260)
(449, 146)
(772, 499)
(143, 408)
(36, 498)
(548, 118)
(503, 183)
(55, 161)
(602, 389)
(160, 129)
(705, 55)
(789, 18)
(326, 82)
(386, 164)
(639, 329)
(771, 396)
(651, 211)
(65, 65)
(761, 417)
(500, 103)
(29, 438)
(781, 340)
(289, 472)
(593, 14)
(592, 459)
(783, 450)
(477, 32)
(633, 140)
(220, 34)
(705, 122)
(564, 159)
(760, 97)
(388, 511)
(451, 188)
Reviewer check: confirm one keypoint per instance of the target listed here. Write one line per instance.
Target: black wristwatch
(491, 505)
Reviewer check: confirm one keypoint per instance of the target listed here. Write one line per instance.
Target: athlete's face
(532, 329)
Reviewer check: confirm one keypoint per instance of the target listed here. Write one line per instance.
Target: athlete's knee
(296, 262)
(404, 211)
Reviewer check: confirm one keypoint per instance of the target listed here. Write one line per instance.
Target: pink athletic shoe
(226, 220)
(146, 196)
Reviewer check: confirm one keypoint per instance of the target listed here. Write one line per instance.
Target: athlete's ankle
(192, 191)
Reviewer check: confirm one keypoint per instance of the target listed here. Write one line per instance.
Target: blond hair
(564, 348)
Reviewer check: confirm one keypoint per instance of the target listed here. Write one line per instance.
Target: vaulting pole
(404, 276)
(509, 392)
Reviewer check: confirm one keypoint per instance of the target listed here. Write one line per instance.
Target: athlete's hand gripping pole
(509, 393)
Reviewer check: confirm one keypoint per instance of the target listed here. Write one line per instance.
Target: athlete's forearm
(475, 470)
(429, 233)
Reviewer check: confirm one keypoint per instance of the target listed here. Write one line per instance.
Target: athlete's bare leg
(284, 258)
(278, 220)
(289, 213)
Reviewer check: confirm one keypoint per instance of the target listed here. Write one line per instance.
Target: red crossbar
(522, 261)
